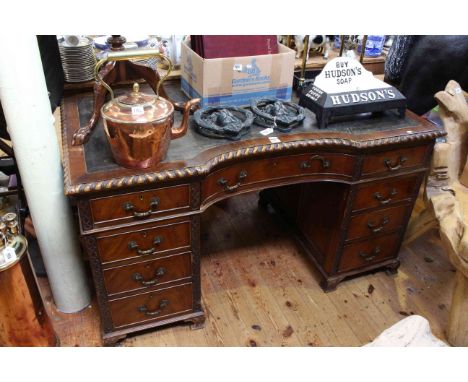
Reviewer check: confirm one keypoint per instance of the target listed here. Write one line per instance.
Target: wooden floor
(259, 290)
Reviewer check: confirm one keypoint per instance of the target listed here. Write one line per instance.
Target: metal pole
(342, 40)
(304, 62)
(363, 48)
(25, 102)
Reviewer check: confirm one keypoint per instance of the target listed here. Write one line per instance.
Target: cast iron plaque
(344, 87)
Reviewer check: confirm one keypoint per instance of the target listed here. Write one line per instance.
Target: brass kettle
(139, 127)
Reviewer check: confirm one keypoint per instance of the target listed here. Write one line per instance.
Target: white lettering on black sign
(365, 96)
(314, 93)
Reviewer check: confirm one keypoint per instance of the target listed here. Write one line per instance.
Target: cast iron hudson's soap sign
(345, 87)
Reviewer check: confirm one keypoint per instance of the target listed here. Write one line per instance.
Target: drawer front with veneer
(137, 206)
(362, 254)
(151, 306)
(230, 179)
(145, 242)
(325, 163)
(394, 160)
(148, 274)
(385, 193)
(376, 222)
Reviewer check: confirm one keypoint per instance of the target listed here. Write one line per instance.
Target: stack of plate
(78, 59)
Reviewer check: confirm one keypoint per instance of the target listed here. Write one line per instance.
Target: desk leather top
(91, 168)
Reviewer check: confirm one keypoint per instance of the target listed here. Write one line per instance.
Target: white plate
(84, 42)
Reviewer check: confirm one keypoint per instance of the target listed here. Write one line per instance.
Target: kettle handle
(126, 55)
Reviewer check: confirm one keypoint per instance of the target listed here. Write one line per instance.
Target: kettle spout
(177, 132)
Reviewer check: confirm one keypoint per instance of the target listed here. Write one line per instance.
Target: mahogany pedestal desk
(348, 190)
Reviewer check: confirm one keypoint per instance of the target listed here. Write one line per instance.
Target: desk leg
(392, 269)
(113, 341)
(197, 322)
(329, 284)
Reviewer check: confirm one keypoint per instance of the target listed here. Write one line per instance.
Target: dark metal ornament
(325, 105)
(229, 122)
(277, 114)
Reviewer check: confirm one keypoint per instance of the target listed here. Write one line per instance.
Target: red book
(197, 44)
(221, 46)
(194, 43)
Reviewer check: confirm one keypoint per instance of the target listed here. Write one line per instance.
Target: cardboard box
(236, 80)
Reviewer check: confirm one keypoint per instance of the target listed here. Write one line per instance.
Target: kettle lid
(137, 107)
(135, 98)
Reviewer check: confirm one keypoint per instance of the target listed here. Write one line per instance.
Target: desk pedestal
(342, 240)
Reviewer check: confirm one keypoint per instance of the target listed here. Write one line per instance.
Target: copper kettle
(139, 127)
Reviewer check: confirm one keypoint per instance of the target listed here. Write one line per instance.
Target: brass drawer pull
(227, 188)
(370, 257)
(375, 228)
(144, 309)
(308, 164)
(133, 245)
(382, 200)
(397, 166)
(129, 207)
(139, 278)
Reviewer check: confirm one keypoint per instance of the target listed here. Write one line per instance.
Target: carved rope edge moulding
(151, 178)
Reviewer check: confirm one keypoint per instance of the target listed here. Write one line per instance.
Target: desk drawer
(376, 222)
(137, 206)
(394, 160)
(362, 254)
(243, 175)
(144, 242)
(151, 306)
(383, 193)
(148, 273)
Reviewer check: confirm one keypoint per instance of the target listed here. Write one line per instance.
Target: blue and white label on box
(237, 98)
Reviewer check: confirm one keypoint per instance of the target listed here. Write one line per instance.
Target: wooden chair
(446, 200)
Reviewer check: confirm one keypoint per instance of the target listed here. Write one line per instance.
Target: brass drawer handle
(227, 188)
(375, 228)
(139, 278)
(370, 257)
(129, 207)
(133, 245)
(397, 166)
(382, 200)
(308, 164)
(144, 309)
